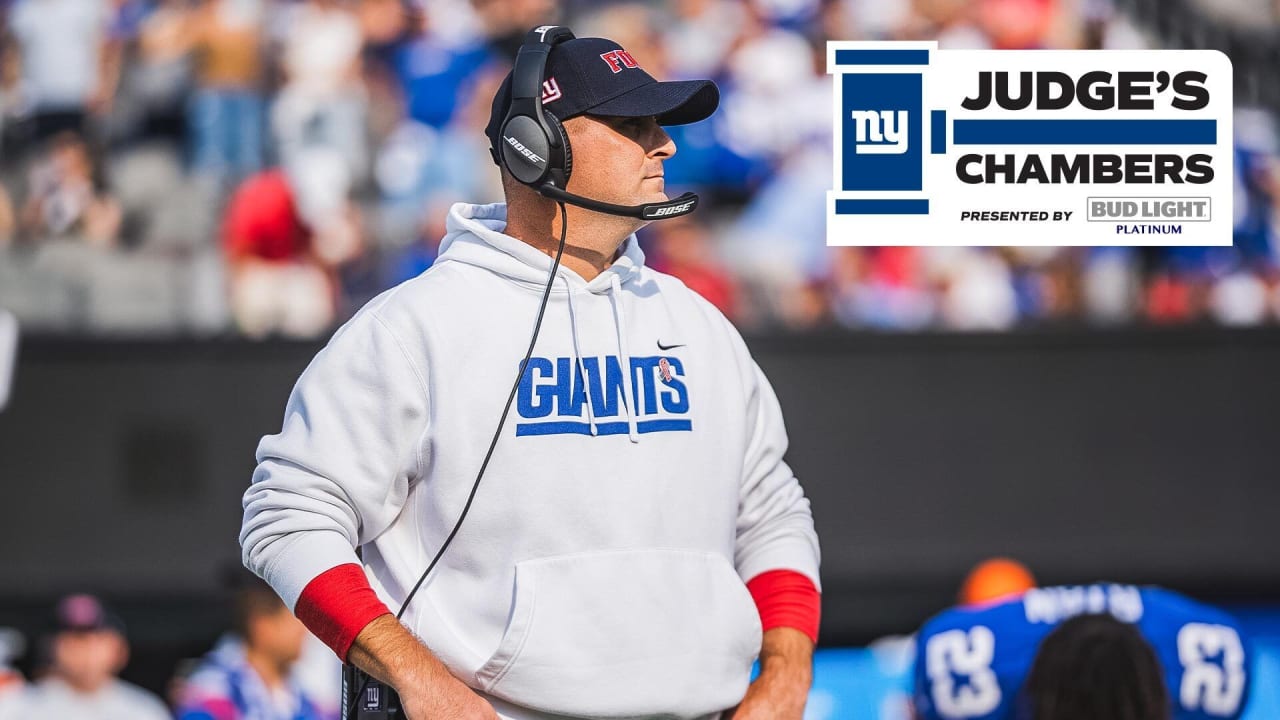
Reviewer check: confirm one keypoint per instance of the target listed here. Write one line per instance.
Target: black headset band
(531, 65)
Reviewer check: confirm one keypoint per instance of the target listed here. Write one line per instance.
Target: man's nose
(663, 146)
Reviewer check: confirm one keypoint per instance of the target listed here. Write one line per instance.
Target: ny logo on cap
(618, 59)
(550, 91)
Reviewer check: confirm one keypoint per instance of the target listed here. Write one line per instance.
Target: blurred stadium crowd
(265, 667)
(264, 167)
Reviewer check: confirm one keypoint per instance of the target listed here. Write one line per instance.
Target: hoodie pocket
(626, 633)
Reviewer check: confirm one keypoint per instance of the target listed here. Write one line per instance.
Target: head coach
(563, 470)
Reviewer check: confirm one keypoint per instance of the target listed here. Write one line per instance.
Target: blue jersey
(971, 661)
(226, 687)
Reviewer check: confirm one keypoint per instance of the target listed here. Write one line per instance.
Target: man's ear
(121, 652)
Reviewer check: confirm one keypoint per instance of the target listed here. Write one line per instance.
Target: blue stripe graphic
(882, 57)
(1085, 132)
(609, 428)
(648, 426)
(938, 132)
(882, 207)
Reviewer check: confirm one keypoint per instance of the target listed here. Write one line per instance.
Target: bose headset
(535, 149)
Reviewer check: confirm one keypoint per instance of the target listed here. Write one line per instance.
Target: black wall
(1139, 456)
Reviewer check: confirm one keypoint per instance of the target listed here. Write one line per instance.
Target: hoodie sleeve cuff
(786, 598)
(337, 605)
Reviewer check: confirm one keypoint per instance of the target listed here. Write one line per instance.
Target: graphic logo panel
(882, 134)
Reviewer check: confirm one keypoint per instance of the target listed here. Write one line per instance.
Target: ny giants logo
(881, 132)
(618, 59)
(551, 91)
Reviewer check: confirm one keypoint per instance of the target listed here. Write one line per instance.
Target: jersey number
(956, 652)
(1207, 685)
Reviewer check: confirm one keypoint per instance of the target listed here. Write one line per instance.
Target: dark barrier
(1141, 456)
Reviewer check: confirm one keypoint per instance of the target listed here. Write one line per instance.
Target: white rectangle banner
(1035, 147)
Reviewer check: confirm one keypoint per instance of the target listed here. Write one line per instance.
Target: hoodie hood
(474, 235)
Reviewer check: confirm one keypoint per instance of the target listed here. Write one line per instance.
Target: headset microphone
(682, 205)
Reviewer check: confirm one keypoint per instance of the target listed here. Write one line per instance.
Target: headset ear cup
(553, 124)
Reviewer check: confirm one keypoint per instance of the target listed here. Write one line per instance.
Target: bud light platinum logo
(1041, 147)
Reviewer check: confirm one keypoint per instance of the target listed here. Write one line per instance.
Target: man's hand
(786, 671)
(389, 652)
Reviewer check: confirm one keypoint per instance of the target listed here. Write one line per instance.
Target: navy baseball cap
(595, 76)
(84, 613)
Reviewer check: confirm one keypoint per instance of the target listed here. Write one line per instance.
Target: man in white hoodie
(637, 540)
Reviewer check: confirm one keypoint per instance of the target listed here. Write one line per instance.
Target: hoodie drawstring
(619, 319)
(577, 354)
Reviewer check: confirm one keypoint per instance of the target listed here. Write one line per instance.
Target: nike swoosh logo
(668, 347)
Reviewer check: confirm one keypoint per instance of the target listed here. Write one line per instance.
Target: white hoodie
(601, 570)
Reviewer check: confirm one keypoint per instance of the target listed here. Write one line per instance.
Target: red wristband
(337, 604)
(785, 598)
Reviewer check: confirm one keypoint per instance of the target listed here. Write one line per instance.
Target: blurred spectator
(88, 650)
(1111, 285)
(10, 78)
(505, 22)
(66, 200)
(285, 233)
(12, 646)
(1016, 24)
(315, 672)
(700, 36)
(436, 73)
(994, 580)
(880, 288)
(950, 22)
(157, 71)
(415, 258)
(774, 92)
(8, 224)
(682, 247)
(226, 111)
(1169, 299)
(322, 103)
(69, 68)
(421, 171)
(977, 289)
(248, 675)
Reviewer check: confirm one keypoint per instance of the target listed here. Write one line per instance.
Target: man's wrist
(786, 673)
(786, 659)
(785, 665)
(388, 651)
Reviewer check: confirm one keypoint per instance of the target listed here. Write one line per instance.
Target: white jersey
(637, 484)
(53, 698)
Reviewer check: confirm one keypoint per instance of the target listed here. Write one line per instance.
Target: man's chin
(656, 197)
(640, 198)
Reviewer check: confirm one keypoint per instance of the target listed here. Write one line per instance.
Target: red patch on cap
(618, 59)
